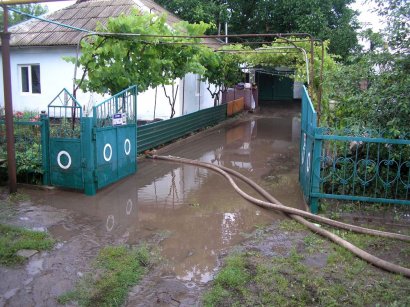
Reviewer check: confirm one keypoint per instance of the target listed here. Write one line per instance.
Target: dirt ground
(48, 275)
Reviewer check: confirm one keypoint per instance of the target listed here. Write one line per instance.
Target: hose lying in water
(297, 214)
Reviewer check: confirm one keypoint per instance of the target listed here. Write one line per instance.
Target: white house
(39, 72)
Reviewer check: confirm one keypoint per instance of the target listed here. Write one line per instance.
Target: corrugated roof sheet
(83, 14)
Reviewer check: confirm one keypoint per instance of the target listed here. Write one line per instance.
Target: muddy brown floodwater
(191, 213)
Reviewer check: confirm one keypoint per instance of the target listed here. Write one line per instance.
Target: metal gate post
(315, 175)
(87, 160)
(45, 153)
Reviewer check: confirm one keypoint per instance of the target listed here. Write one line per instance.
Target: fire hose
(300, 215)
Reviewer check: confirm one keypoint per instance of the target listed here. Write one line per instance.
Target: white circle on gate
(308, 163)
(127, 146)
(64, 153)
(105, 152)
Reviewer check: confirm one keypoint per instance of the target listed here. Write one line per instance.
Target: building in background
(39, 71)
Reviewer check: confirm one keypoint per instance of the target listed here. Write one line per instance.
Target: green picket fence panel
(158, 133)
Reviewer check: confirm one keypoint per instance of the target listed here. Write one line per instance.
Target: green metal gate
(274, 87)
(89, 153)
(115, 125)
(66, 164)
(352, 163)
(307, 140)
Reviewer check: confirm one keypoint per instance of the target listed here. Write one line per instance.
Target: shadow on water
(193, 212)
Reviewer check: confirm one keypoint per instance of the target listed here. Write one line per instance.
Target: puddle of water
(194, 212)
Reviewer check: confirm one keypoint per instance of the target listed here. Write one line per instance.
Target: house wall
(56, 74)
(193, 98)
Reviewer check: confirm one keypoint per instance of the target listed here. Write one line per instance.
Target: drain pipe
(297, 215)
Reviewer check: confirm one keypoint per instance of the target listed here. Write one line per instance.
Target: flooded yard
(191, 214)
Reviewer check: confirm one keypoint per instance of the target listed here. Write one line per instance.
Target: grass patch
(13, 239)
(116, 269)
(291, 225)
(230, 283)
(17, 197)
(337, 209)
(254, 279)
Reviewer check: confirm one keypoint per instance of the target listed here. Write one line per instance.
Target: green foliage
(222, 68)
(119, 268)
(211, 11)
(331, 20)
(287, 280)
(13, 239)
(29, 166)
(148, 59)
(275, 55)
(232, 278)
(382, 101)
(396, 13)
(385, 103)
(29, 161)
(114, 62)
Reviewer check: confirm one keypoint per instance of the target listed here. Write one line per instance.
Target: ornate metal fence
(355, 164)
(360, 164)
(123, 103)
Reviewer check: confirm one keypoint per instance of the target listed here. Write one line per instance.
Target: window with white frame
(30, 79)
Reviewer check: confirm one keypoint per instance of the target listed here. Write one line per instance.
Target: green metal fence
(355, 163)
(154, 134)
(307, 139)
(88, 153)
(361, 165)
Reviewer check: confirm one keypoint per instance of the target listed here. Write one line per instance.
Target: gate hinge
(83, 163)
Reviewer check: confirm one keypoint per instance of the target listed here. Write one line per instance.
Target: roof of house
(84, 14)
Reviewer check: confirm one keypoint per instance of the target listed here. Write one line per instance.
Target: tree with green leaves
(150, 58)
(15, 18)
(331, 20)
(384, 101)
(212, 11)
(396, 14)
(222, 69)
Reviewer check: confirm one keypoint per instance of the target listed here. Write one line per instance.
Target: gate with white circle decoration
(89, 153)
(115, 153)
(115, 137)
(65, 148)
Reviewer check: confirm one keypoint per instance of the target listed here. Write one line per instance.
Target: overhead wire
(49, 21)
